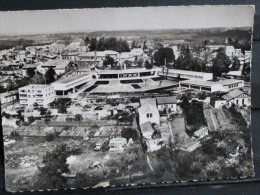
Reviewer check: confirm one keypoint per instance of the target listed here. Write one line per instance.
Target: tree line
(111, 43)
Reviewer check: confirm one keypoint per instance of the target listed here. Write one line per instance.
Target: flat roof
(35, 86)
(200, 82)
(188, 72)
(211, 83)
(71, 78)
(133, 70)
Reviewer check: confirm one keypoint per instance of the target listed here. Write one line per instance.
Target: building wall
(187, 74)
(29, 95)
(220, 103)
(240, 101)
(66, 86)
(173, 107)
(149, 117)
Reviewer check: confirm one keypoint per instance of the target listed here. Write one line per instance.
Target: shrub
(50, 137)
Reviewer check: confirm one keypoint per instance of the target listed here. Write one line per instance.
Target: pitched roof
(233, 94)
(151, 101)
(167, 100)
(146, 127)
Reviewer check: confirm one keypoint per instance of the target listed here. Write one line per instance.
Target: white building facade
(35, 93)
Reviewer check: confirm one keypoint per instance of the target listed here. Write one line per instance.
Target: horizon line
(111, 30)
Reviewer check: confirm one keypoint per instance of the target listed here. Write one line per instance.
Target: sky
(136, 18)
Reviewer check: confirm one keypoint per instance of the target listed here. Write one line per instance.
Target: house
(60, 66)
(202, 132)
(98, 55)
(73, 56)
(223, 85)
(167, 103)
(29, 66)
(237, 97)
(8, 97)
(117, 144)
(151, 101)
(148, 113)
(36, 93)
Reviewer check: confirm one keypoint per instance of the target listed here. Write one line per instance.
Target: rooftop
(99, 53)
(166, 100)
(211, 83)
(151, 101)
(36, 86)
(189, 72)
(233, 94)
(56, 63)
(134, 70)
(70, 78)
(147, 108)
(146, 127)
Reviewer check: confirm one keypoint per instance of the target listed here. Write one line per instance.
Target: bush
(50, 137)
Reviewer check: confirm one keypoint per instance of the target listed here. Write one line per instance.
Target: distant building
(167, 103)
(72, 56)
(117, 144)
(8, 97)
(150, 101)
(36, 93)
(148, 113)
(237, 97)
(60, 66)
(68, 84)
(98, 55)
(224, 85)
(185, 74)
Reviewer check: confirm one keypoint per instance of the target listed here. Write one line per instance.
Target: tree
(38, 79)
(86, 41)
(148, 65)
(133, 45)
(140, 62)
(220, 64)
(78, 117)
(93, 44)
(43, 111)
(109, 61)
(185, 59)
(53, 165)
(163, 56)
(31, 119)
(129, 133)
(236, 64)
(50, 75)
(30, 72)
(23, 82)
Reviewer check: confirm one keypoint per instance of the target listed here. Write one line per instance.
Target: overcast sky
(103, 19)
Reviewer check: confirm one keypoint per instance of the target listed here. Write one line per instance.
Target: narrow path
(149, 163)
